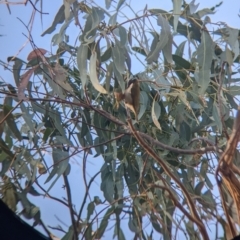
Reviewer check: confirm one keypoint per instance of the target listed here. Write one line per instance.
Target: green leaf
(180, 49)
(208, 197)
(113, 19)
(11, 122)
(69, 235)
(59, 18)
(60, 160)
(108, 3)
(120, 3)
(104, 223)
(208, 182)
(232, 40)
(158, 44)
(204, 168)
(122, 35)
(182, 62)
(107, 185)
(204, 58)
(90, 210)
(93, 74)
(119, 182)
(118, 233)
(82, 53)
(59, 37)
(16, 70)
(119, 77)
(177, 4)
(57, 121)
(27, 117)
(130, 36)
(139, 50)
(5, 165)
(133, 224)
(217, 117)
(155, 224)
(93, 20)
(199, 188)
(118, 57)
(107, 55)
(143, 103)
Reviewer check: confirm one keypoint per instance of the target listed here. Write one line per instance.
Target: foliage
(159, 170)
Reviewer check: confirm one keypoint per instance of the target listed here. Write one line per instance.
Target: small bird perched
(131, 96)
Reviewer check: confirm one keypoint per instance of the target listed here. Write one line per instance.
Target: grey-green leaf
(176, 12)
(204, 58)
(93, 74)
(59, 18)
(82, 54)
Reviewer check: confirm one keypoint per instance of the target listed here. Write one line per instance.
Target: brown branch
(5, 117)
(51, 197)
(69, 196)
(85, 196)
(219, 97)
(195, 216)
(120, 123)
(176, 202)
(226, 169)
(177, 150)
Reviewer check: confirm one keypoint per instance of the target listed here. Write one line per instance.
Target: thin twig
(69, 196)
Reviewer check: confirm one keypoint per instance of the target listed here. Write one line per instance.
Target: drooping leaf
(204, 168)
(90, 210)
(232, 40)
(198, 188)
(143, 104)
(122, 35)
(180, 49)
(120, 3)
(67, 10)
(27, 117)
(217, 117)
(59, 18)
(60, 164)
(59, 37)
(176, 12)
(107, 55)
(69, 235)
(93, 74)
(11, 122)
(118, 58)
(113, 19)
(158, 43)
(108, 3)
(82, 63)
(204, 58)
(107, 185)
(104, 223)
(182, 62)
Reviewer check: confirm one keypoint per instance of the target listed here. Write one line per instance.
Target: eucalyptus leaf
(82, 63)
(176, 12)
(204, 58)
(93, 74)
(59, 18)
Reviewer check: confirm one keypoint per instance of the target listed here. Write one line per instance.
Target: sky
(14, 38)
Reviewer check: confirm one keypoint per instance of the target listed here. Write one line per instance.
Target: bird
(131, 96)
